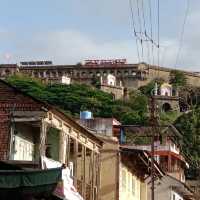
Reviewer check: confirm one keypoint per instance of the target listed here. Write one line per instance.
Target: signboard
(36, 63)
(105, 62)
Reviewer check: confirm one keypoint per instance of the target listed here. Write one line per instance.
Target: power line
(145, 32)
(158, 32)
(182, 32)
(134, 28)
(140, 28)
(151, 30)
(139, 24)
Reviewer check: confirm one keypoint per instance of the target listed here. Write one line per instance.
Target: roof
(69, 119)
(146, 130)
(181, 188)
(144, 160)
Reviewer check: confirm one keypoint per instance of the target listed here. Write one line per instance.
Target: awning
(28, 182)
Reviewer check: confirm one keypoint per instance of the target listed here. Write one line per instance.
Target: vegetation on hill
(189, 125)
(177, 78)
(77, 97)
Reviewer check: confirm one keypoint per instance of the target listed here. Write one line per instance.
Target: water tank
(85, 115)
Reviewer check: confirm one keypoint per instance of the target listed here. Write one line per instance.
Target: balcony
(169, 147)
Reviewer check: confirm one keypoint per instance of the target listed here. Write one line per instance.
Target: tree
(147, 89)
(76, 97)
(177, 78)
(189, 125)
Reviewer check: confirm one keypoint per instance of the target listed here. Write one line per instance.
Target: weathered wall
(11, 100)
(172, 101)
(164, 190)
(130, 187)
(195, 187)
(4, 135)
(117, 92)
(109, 171)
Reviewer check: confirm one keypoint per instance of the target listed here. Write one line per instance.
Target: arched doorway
(166, 107)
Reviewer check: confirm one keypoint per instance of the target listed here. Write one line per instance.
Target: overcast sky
(70, 31)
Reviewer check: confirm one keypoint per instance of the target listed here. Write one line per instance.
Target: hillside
(76, 97)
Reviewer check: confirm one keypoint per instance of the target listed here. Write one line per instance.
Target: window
(133, 185)
(24, 150)
(98, 73)
(126, 73)
(123, 179)
(129, 181)
(118, 73)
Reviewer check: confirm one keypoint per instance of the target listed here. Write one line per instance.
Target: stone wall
(117, 92)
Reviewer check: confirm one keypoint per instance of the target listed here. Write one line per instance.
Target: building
(123, 172)
(101, 126)
(167, 152)
(166, 98)
(169, 157)
(110, 85)
(30, 129)
(132, 76)
(169, 188)
(194, 185)
(122, 177)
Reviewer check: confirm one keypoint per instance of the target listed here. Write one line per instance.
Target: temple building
(166, 98)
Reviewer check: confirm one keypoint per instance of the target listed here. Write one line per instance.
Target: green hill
(76, 97)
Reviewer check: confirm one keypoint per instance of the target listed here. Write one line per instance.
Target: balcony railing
(170, 148)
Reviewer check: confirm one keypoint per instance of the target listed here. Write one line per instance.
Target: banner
(65, 189)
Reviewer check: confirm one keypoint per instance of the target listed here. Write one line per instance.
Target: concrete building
(169, 188)
(123, 169)
(167, 152)
(102, 126)
(194, 185)
(169, 158)
(123, 172)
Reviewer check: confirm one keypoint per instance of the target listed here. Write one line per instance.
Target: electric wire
(145, 31)
(151, 31)
(158, 21)
(140, 28)
(134, 28)
(182, 33)
(143, 39)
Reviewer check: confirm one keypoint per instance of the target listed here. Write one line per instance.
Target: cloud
(70, 47)
(190, 49)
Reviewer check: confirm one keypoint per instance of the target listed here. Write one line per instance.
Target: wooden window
(133, 186)
(124, 179)
(24, 150)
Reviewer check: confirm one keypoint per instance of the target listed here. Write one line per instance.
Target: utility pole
(154, 128)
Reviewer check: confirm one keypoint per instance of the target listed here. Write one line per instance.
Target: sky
(70, 31)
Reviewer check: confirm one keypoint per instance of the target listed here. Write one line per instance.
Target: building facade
(30, 129)
(132, 76)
